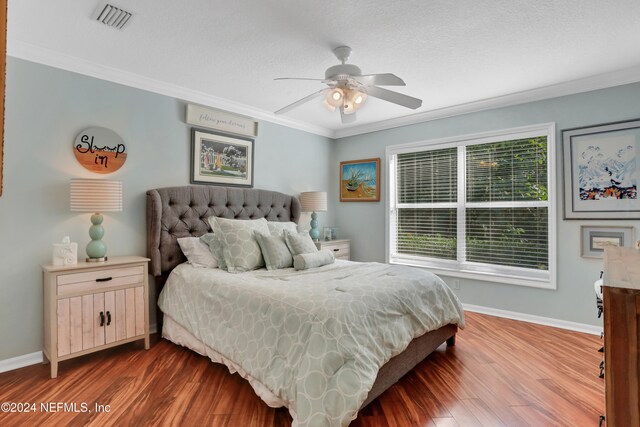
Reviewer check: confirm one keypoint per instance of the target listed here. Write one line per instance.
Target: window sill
(477, 275)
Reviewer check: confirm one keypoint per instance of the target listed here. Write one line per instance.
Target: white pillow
(278, 228)
(240, 248)
(197, 252)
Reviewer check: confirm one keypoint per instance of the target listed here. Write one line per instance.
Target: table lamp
(314, 201)
(96, 195)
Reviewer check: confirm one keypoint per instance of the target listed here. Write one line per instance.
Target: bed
(332, 306)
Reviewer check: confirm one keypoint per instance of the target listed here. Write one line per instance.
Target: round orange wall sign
(100, 150)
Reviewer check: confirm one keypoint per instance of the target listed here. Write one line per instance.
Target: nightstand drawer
(340, 251)
(99, 279)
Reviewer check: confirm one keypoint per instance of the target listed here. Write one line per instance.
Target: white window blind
(427, 193)
(478, 206)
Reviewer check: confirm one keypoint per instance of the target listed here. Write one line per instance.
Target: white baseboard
(530, 318)
(20, 361)
(36, 357)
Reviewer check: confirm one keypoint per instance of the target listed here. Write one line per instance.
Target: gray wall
(45, 109)
(574, 298)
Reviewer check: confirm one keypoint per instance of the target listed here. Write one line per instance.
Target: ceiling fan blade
(300, 101)
(394, 97)
(299, 78)
(386, 79)
(347, 118)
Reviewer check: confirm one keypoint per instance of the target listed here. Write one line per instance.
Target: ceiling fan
(348, 88)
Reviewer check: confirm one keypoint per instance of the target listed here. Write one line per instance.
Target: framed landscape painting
(360, 180)
(220, 159)
(601, 172)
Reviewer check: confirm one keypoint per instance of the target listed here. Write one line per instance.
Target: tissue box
(65, 253)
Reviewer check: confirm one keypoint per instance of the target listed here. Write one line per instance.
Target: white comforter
(314, 338)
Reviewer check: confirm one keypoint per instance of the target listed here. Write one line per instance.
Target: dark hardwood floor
(500, 373)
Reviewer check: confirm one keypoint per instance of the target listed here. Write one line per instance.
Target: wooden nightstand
(340, 248)
(94, 305)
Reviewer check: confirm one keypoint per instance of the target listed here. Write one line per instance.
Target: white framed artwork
(601, 173)
(594, 239)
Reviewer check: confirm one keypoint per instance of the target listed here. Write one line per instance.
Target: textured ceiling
(448, 53)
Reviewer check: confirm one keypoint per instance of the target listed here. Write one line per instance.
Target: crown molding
(587, 84)
(52, 58)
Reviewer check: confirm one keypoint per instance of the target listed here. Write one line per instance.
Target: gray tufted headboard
(175, 212)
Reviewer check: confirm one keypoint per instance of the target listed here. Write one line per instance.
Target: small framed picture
(595, 239)
(221, 159)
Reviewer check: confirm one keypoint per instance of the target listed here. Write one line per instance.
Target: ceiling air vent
(112, 16)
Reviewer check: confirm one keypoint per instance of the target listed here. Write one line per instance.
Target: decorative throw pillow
(197, 253)
(240, 248)
(316, 259)
(279, 227)
(299, 243)
(215, 247)
(274, 250)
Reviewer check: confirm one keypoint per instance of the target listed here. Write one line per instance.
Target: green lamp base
(96, 249)
(314, 232)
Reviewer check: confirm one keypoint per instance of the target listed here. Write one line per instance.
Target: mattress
(311, 340)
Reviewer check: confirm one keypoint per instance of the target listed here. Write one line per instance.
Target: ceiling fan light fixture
(329, 106)
(335, 97)
(348, 89)
(354, 99)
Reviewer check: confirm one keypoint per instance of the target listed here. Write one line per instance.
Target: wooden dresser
(622, 336)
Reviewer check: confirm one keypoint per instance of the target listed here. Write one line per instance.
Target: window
(477, 206)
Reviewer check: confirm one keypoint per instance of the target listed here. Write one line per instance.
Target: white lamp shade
(96, 195)
(313, 201)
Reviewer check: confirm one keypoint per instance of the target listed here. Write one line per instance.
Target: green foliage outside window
(508, 171)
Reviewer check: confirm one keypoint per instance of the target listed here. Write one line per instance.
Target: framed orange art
(360, 180)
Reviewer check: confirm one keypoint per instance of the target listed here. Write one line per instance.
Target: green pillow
(299, 243)
(240, 248)
(215, 247)
(274, 250)
(316, 259)
(279, 227)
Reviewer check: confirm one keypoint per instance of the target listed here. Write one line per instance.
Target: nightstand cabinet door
(110, 311)
(64, 327)
(93, 320)
(98, 330)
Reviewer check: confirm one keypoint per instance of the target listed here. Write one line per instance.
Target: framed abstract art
(601, 172)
